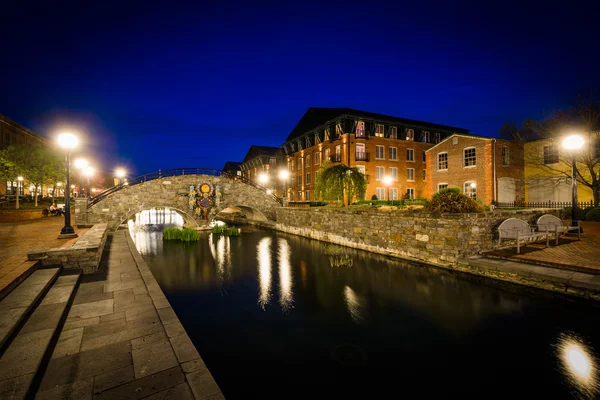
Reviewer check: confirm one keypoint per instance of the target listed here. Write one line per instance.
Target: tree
(44, 166)
(584, 119)
(13, 162)
(338, 182)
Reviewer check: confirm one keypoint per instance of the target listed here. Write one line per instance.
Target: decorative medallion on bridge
(205, 200)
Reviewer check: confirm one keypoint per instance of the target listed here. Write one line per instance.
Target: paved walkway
(571, 254)
(18, 238)
(122, 339)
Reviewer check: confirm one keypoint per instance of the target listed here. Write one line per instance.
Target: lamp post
(67, 141)
(81, 164)
(19, 183)
(89, 171)
(387, 181)
(573, 143)
(284, 175)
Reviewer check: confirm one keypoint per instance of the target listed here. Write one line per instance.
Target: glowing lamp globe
(67, 141)
(573, 142)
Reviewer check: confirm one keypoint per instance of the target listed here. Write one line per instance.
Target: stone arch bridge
(170, 189)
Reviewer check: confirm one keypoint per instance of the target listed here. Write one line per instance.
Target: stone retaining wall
(84, 254)
(20, 215)
(413, 235)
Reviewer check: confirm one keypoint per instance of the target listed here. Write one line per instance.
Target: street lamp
(120, 174)
(81, 164)
(284, 175)
(263, 178)
(89, 171)
(67, 141)
(573, 143)
(387, 181)
(19, 183)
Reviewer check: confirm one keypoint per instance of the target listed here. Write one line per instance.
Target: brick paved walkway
(583, 255)
(18, 238)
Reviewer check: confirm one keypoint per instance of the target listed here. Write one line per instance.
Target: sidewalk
(18, 238)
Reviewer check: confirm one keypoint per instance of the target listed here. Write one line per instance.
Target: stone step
(24, 362)
(17, 305)
(17, 276)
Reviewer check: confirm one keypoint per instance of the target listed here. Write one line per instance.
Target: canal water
(276, 316)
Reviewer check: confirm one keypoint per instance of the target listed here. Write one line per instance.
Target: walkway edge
(198, 376)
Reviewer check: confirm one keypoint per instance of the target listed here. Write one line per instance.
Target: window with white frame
(410, 155)
(394, 132)
(441, 186)
(326, 154)
(380, 193)
(442, 161)
(307, 195)
(411, 193)
(338, 153)
(379, 152)
(469, 157)
(360, 155)
(307, 162)
(551, 154)
(410, 134)
(505, 156)
(424, 175)
(379, 130)
(360, 129)
(410, 174)
(425, 137)
(299, 163)
(393, 153)
(379, 172)
(470, 189)
(307, 179)
(394, 173)
(393, 194)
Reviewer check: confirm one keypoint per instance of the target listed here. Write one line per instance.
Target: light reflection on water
(578, 364)
(286, 293)
(263, 256)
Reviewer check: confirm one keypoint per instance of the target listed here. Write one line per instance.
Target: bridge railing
(177, 172)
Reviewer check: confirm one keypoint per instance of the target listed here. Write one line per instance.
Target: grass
(225, 230)
(185, 235)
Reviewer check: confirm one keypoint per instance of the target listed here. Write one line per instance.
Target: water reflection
(354, 304)
(263, 256)
(578, 364)
(221, 253)
(285, 275)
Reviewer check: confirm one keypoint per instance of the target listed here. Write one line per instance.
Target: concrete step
(18, 275)
(24, 362)
(17, 305)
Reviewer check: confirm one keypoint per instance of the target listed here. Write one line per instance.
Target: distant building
(13, 133)
(487, 169)
(233, 167)
(379, 145)
(264, 160)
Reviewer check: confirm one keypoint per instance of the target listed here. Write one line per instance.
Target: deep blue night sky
(164, 86)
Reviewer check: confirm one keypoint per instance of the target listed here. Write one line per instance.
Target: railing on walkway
(177, 172)
(544, 204)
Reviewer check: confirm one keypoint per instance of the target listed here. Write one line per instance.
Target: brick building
(264, 160)
(488, 169)
(379, 145)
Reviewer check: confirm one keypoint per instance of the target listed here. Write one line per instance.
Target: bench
(550, 223)
(516, 229)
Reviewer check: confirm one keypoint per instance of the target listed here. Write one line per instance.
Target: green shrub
(374, 197)
(377, 203)
(568, 214)
(584, 213)
(452, 202)
(451, 189)
(593, 214)
(415, 202)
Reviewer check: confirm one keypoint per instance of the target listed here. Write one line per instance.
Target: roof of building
(317, 116)
(257, 151)
(232, 165)
(20, 127)
(470, 136)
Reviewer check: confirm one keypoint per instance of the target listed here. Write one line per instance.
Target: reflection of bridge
(170, 189)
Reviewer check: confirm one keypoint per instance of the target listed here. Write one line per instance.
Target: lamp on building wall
(573, 143)
(263, 178)
(81, 164)
(284, 176)
(387, 181)
(19, 183)
(68, 142)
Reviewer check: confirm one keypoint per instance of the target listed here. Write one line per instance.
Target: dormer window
(360, 129)
(410, 134)
(379, 130)
(393, 132)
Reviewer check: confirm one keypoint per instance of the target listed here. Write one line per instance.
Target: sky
(159, 85)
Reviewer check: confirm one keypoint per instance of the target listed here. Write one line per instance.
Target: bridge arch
(170, 189)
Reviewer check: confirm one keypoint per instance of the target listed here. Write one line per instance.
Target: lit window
(360, 129)
(410, 155)
(338, 153)
(394, 133)
(551, 154)
(442, 186)
(393, 194)
(410, 134)
(380, 193)
(470, 189)
(410, 174)
(470, 157)
(379, 130)
(505, 156)
(326, 155)
(393, 153)
(379, 172)
(379, 152)
(442, 161)
(410, 193)
(394, 173)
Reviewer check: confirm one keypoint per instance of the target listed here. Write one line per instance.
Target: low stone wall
(20, 215)
(412, 235)
(84, 254)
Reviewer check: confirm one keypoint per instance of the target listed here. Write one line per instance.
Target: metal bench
(516, 229)
(549, 223)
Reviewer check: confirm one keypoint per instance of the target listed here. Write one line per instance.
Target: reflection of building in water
(578, 364)
(162, 216)
(263, 257)
(148, 237)
(286, 294)
(354, 304)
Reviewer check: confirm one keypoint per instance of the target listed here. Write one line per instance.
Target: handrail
(176, 172)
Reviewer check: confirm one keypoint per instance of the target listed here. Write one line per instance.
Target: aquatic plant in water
(185, 235)
(337, 256)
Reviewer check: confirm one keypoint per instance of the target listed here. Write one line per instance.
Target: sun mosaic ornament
(205, 200)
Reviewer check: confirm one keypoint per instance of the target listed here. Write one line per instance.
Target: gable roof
(232, 166)
(317, 116)
(257, 151)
